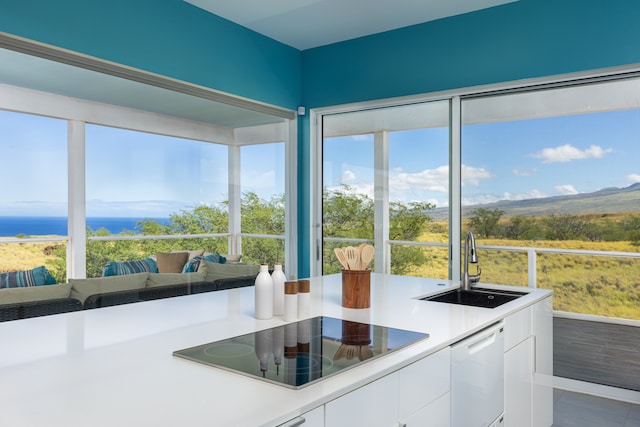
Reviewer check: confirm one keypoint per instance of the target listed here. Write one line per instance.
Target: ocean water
(11, 226)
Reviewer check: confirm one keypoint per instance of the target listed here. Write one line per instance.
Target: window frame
(78, 112)
(455, 97)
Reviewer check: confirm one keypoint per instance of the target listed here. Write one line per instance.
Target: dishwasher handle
(482, 339)
(482, 343)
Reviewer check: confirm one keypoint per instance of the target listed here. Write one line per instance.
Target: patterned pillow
(114, 268)
(197, 263)
(193, 265)
(39, 276)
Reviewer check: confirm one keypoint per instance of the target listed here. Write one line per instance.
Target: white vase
(278, 278)
(264, 294)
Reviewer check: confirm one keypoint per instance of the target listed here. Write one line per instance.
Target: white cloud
(483, 199)
(348, 176)
(479, 199)
(472, 176)
(427, 180)
(632, 178)
(566, 153)
(566, 189)
(532, 194)
(365, 137)
(525, 172)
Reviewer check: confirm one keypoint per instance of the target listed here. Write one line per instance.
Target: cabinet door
(374, 405)
(436, 414)
(518, 385)
(424, 381)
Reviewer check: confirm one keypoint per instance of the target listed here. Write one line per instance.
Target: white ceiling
(305, 24)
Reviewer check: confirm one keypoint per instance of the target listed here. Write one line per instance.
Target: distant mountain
(607, 200)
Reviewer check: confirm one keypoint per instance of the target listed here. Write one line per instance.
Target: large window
(104, 183)
(386, 182)
(547, 178)
(142, 183)
(551, 188)
(262, 185)
(33, 205)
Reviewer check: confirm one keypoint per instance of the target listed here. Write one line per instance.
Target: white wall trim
(594, 318)
(598, 390)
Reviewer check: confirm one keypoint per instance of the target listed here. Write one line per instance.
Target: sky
(128, 174)
(512, 160)
(132, 174)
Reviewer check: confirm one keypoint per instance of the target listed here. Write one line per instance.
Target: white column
(455, 178)
(381, 202)
(235, 200)
(76, 197)
(291, 199)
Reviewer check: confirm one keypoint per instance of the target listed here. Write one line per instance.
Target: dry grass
(25, 256)
(598, 285)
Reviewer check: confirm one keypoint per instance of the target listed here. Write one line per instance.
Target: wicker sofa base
(29, 309)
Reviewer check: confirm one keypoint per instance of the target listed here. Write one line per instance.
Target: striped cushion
(39, 276)
(114, 268)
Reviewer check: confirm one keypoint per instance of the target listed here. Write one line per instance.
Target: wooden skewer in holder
(356, 288)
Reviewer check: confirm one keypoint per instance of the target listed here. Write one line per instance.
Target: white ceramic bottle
(278, 278)
(264, 294)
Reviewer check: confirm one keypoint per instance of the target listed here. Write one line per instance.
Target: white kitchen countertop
(114, 366)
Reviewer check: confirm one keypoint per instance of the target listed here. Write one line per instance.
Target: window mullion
(76, 249)
(381, 201)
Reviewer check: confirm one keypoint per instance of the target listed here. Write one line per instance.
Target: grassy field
(604, 286)
(24, 256)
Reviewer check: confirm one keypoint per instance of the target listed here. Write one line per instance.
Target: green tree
(520, 228)
(484, 222)
(565, 227)
(407, 222)
(262, 217)
(632, 229)
(347, 214)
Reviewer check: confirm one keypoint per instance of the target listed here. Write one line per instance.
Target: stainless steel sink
(477, 297)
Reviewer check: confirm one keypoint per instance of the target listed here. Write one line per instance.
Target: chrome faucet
(470, 246)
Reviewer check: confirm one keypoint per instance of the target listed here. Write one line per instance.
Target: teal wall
(167, 37)
(525, 39)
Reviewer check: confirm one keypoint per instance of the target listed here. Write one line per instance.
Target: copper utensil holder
(356, 288)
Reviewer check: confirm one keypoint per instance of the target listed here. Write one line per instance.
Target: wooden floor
(581, 410)
(597, 352)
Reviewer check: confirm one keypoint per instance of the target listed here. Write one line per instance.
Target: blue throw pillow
(192, 265)
(38, 276)
(215, 257)
(114, 268)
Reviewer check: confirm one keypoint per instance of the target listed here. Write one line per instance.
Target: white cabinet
(416, 395)
(529, 366)
(374, 405)
(436, 414)
(518, 374)
(424, 398)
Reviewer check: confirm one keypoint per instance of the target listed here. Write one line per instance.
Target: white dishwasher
(477, 379)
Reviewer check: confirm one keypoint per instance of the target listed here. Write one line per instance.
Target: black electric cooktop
(301, 353)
